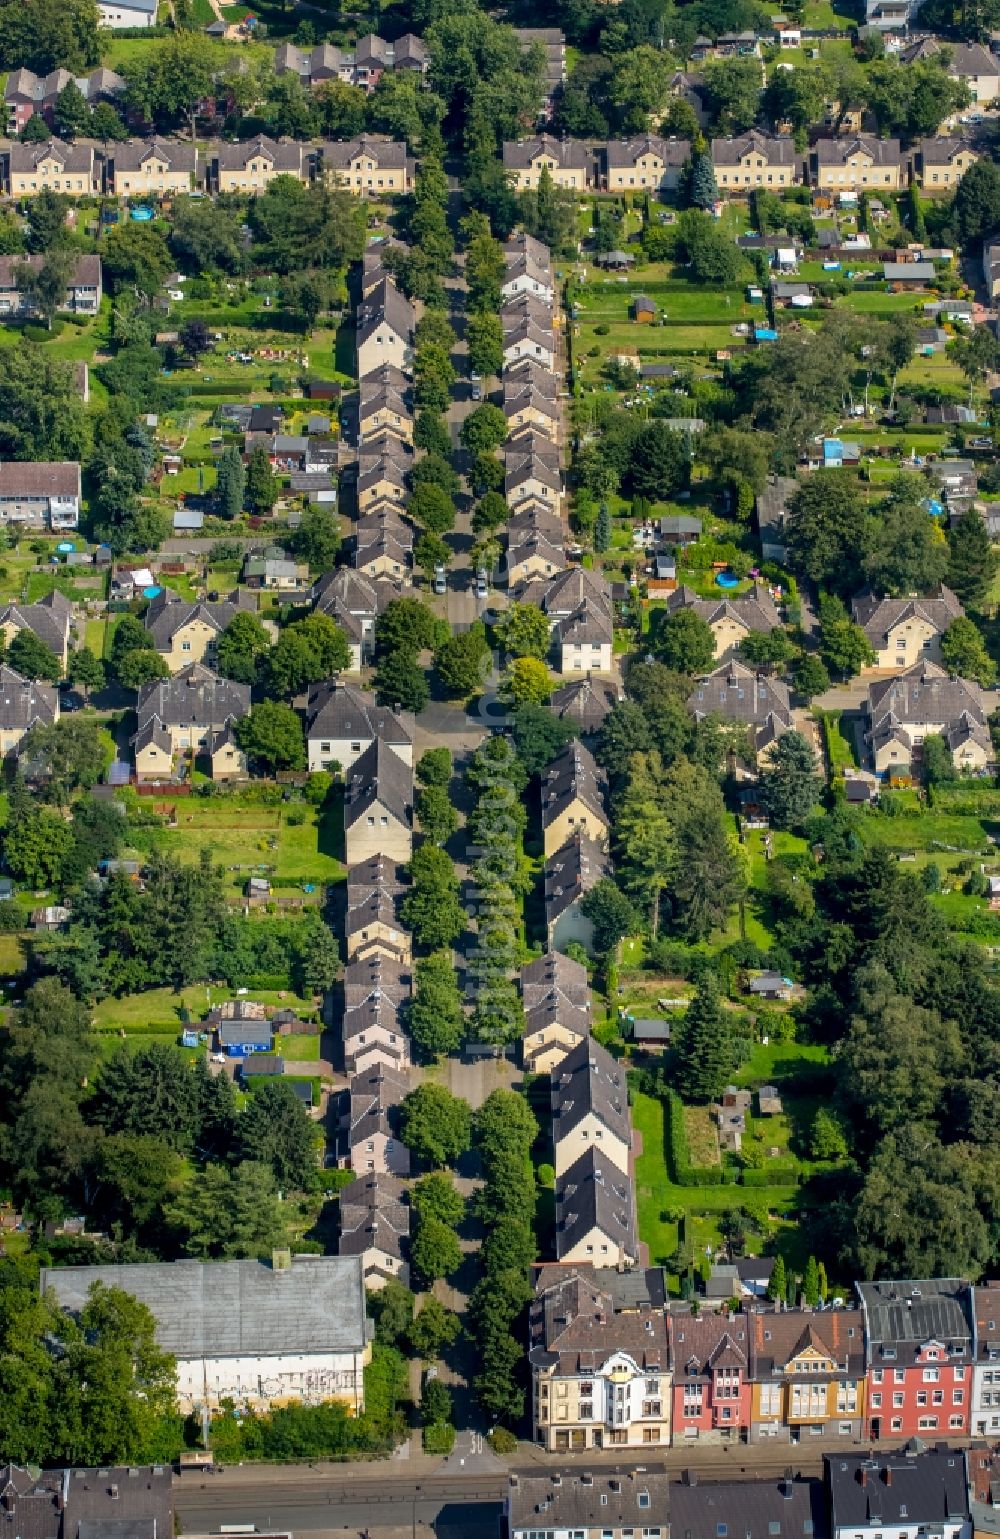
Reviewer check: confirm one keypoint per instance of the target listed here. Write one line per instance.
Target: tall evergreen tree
(230, 482)
(704, 190)
(972, 563)
(705, 1057)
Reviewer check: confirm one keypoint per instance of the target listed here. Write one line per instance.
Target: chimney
(887, 1474)
(863, 1477)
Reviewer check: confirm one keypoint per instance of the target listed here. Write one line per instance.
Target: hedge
(683, 1172)
(772, 1175)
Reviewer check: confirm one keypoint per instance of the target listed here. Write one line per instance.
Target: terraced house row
(368, 166)
(651, 163)
(615, 1364)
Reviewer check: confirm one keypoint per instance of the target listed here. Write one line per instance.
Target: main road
(450, 1501)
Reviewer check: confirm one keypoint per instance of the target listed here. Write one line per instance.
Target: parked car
(482, 583)
(440, 580)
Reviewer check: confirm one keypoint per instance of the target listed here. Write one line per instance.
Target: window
(876, 1401)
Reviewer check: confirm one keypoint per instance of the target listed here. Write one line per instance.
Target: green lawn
(157, 1011)
(930, 831)
(300, 1048)
(245, 837)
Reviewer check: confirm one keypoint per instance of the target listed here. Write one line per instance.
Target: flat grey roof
(234, 1308)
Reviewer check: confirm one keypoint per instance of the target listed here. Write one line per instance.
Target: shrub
(602, 330)
(439, 1438)
(502, 1441)
(36, 333)
(546, 1175)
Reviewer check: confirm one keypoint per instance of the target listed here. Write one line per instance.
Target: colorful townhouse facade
(919, 1337)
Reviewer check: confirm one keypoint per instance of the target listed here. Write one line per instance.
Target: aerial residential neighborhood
(499, 876)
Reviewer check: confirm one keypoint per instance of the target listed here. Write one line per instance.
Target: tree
(829, 531)
(462, 662)
(707, 877)
(766, 649)
(684, 642)
(907, 553)
(432, 507)
(436, 1019)
(136, 256)
(227, 1214)
(526, 681)
(611, 914)
(972, 561)
(44, 37)
(703, 189)
(539, 736)
(484, 340)
(319, 963)
(790, 783)
(275, 1132)
(35, 130)
(71, 755)
(523, 631)
(645, 842)
(430, 909)
(139, 667)
(261, 487)
(86, 670)
(407, 625)
(827, 1138)
(844, 647)
(778, 1281)
(434, 1250)
(306, 651)
(977, 203)
(271, 735)
(484, 429)
(734, 93)
(705, 1055)
(435, 1125)
(230, 483)
(31, 658)
(435, 767)
(711, 254)
(399, 680)
(602, 529)
(964, 654)
(436, 1196)
(433, 1329)
(811, 677)
(71, 113)
(318, 538)
(977, 354)
(436, 813)
(241, 646)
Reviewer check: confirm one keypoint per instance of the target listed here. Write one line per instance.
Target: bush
(602, 330)
(502, 1441)
(36, 333)
(546, 1175)
(773, 1174)
(439, 1438)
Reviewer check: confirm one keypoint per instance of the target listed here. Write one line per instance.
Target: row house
(150, 168)
(527, 269)
(73, 169)
(569, 163)
(569, 875)
(558, 1010)
(586, 702)
(342, 723)
(378, 806)
(375, 1225)
(50, 619)
(577, 602)
(354, 602)
(26, 93)
(371, 58)
(551, 41)
(807, 1373)
(754, 160)
(907, 630)
(737, 694)
(252, 165)
(857, 164)
(384, 405)
(372, 926)
(985, 1405)
(595, 1213)
(590, 1109)
(370, 1141)
(730, 620)
(376, 992)
(386, 322)
(920, 1357)
(573, 796)
(383, 545)
(184, 631)
(535, 547)
(600, 1360)
(712, 1398)
(369, 167)
(192, 712)
(648, 163)
(24, 703)
(924, 699)
(940, 163)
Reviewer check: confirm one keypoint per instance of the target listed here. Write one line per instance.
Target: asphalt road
(389, 1498)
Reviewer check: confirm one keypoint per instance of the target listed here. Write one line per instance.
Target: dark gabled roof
(344, 711)
(195, 696)
(877, 616)
(555, 974)
(749, 1509)
(589, 1082)
(167, 614)
(133, 155)
(376, 975)
(373, 1096)
(518, 154)
(571, 872)
(772, 502)
(23, 702)
(385, 304)
(738, 694)
(625, 152)
(837, 152)
(32, 1501)
(567, 591)
(585, 701)
(906, 1488)
(941, 151)
(284, 154)
(49, 619)
(379, 776)
(699, 1343)
(20, 478)
(776, 1339)
(777, 150)
(373, 1215)
(388, 154)
(573, 776)
(754, 609)
(119, 1503)
(376, 874)
(74, 159)
(593, 1194)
